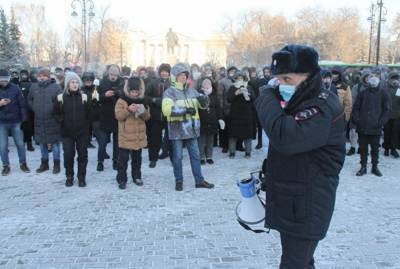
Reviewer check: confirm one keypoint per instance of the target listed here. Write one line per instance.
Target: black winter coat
(107, 104)
(41, 100)
(74, 112)
(306, 153)
(94, 113)
(241, 117)
(209, 117)
(371, 111)
(154, 92)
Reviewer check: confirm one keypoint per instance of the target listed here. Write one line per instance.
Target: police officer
(306, 127)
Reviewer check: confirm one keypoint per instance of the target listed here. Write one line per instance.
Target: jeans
(194, 154)
(103, 139)
(45, 152)
(206, 143)
(233, 141)
(18, 136)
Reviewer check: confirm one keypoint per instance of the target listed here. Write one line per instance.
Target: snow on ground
(46, 225)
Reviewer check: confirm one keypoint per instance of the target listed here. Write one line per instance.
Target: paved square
(43, 224)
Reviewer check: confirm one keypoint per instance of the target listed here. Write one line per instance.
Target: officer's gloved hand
(191, 111)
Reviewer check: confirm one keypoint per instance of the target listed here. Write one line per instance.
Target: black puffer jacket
(154, 92)
(107, 104)
(73, 110)
(371, 110)
(306, 154)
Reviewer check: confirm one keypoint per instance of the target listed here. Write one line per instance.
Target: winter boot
(29, 146)
(375, 170)
(179, 186)
(24, 168)
(362, 171)
(351, 151)
(44, 166)
(100, 166)
(152, 164)
(386, 153)
(6, 170)
(394, 153)
(81, 182)
(57, 167)
(69, 182)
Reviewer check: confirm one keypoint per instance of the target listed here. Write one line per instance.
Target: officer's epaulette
(324, 95)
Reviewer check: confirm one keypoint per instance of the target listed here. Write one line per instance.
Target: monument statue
(172, 41)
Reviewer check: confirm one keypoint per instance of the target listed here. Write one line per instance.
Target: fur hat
(71, 76)
(164, 67)
(294, 59)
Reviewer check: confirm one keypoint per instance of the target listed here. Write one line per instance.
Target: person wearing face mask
(392, 127)
(27, 127)
(131, 131)
(13, 113)
(90, 90)
(222, 92)
(327, 80)
(110, 89)
(343, 91)
(210, 119)
(157, 122)
(180, 105)
(241, 98)
(41, 98)
(355, 91)
(306, 129)
(371, 111)
(73, 109)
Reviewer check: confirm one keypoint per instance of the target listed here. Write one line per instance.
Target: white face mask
(207, 91)
(373, 82)
(196, 75)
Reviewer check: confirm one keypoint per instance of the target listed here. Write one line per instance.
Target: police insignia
(306, 114)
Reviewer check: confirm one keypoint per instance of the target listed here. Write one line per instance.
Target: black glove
(203, 100)
(191, 111)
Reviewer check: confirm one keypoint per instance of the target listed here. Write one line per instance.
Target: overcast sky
(195, 18)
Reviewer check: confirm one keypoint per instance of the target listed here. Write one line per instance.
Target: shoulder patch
(306, 114)
(323, 95)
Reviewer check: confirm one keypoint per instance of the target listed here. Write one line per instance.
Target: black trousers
(297, 253)
(391, 134)
(224, 139)
(136, 163)
(369, 140)
(70, 146)
(28, 128)
(259, 132)
(155, 128)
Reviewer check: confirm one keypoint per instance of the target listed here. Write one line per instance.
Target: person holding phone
(13, 113)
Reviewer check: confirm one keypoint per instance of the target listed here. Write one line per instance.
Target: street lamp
(380, 20)
(371, 19)
(87, 11)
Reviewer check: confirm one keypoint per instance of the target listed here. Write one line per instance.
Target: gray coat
(41, 100)
(223, 88)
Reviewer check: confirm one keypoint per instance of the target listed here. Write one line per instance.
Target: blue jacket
(16, 110)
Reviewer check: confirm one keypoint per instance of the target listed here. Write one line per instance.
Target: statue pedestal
(172, 59)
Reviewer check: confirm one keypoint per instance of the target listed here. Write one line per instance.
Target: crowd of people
(168, 109)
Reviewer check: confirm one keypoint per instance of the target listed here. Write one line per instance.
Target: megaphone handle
(247, 227)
